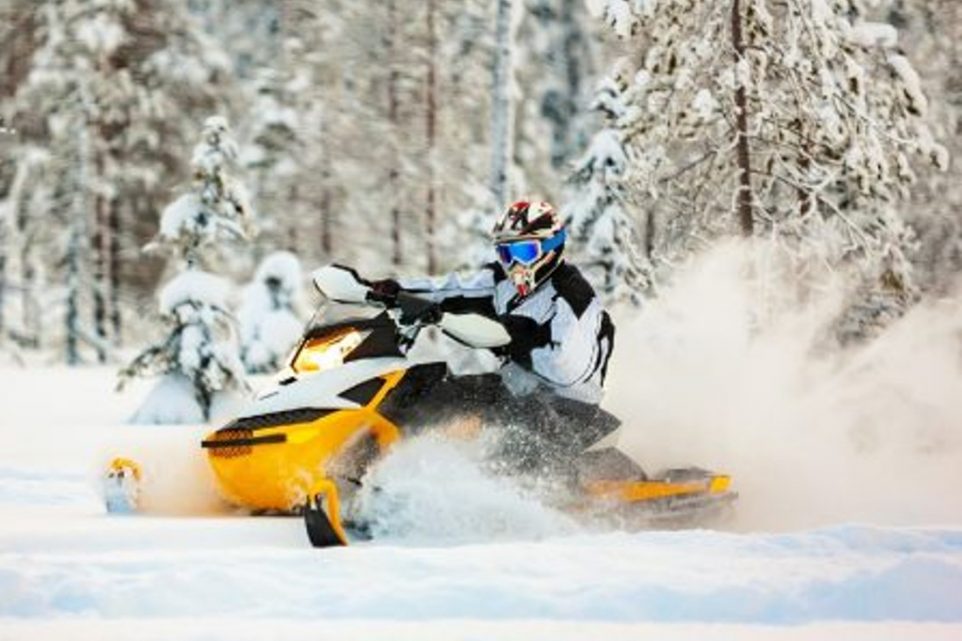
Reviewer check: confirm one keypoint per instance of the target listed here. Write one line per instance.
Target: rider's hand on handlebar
(417, 311)
(526, 336)
(384, 291)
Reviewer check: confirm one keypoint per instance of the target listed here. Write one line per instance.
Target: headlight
(327, 352)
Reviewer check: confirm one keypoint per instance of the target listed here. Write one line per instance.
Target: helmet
(529, 238)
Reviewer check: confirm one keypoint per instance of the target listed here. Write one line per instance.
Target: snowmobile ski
(322, 518)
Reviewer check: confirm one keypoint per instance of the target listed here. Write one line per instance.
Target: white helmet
(529, 238)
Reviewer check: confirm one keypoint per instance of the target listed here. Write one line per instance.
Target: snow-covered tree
(269, 315)
(558, 54)
(22, 232)
(931, 33)
(198, 361)
(795, 120)
(95, 87)
(603, 233)
(217, 209)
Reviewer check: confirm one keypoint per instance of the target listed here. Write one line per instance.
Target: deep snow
(67, 569)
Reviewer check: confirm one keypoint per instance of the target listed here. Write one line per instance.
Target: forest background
(387, 135)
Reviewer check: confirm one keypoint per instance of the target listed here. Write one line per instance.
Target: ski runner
(561, 336)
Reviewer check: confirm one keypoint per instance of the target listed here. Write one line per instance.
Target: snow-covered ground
(482, 562)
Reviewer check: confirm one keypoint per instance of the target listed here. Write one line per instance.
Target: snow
(170, 402)
(874, 34)
(282, 266)
(621, 18)
(268, 337)
(181, 217)
(269, 323)
(660, 577)
(622, 15)
(409, 502)
(821, 12)
(101, 34)
(194, 286)
(69, 570)
(704, 104)
(198, 364)
(217, 148)
(911, 83)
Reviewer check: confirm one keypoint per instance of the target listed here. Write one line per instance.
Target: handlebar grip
(388, 300)
(417, 309)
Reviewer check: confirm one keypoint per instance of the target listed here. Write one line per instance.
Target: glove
(385, 291)
(526, 336)
(417, 310)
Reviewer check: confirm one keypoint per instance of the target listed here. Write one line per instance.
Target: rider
(561, 336)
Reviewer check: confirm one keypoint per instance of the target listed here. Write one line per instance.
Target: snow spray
(705, 375)
(177, 479)
(435, 490)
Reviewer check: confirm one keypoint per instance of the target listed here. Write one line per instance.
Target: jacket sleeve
(459, 293)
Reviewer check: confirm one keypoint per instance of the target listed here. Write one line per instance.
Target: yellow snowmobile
(352, 390)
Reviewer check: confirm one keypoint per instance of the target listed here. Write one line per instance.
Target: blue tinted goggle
(527, 252)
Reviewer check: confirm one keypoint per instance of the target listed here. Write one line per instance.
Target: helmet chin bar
(523, 279)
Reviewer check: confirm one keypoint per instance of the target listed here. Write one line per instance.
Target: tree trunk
(326, 214)
(326, 210)
(394, 174)
(574, 59)
(805, 197)
(742, 151)
(431, 131)
(78, 230)
(114, 226)
(20, 248)
(3, 277)
(501, 103)
(650, 235)
(101, 240)
(32, 314)
(101, 257)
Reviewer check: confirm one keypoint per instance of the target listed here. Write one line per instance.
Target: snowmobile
(354, 388)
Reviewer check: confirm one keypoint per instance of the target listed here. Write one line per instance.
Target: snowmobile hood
(321, 390)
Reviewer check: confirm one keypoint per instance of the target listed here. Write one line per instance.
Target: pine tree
(94, 90)
(199, 357)
(795, 121)
(933, 29)
(605, 239)
(558, 60)
(269, 315)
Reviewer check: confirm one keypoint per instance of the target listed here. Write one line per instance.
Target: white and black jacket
(561, 336)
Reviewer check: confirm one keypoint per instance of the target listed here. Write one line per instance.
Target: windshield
(330, 313)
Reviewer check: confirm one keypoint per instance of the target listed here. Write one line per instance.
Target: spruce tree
(198, 360)
(269, 315)
(797, 121)
(599, 214)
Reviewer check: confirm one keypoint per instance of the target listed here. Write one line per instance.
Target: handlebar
(414, 309)
(343, 284)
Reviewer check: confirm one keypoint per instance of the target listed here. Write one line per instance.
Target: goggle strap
(554, 242)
